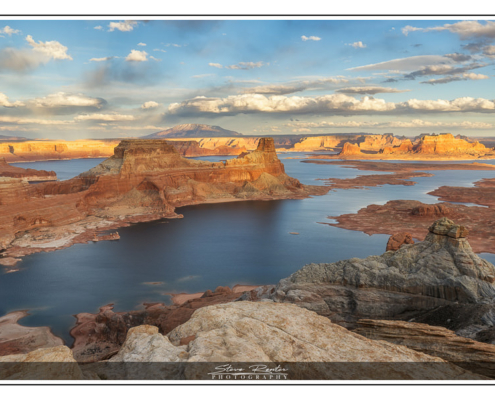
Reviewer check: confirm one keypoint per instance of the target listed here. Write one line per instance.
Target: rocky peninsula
(144, 180)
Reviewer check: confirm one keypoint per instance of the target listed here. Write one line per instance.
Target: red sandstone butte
(142, 181)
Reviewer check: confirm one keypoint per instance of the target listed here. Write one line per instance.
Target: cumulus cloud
(357, 45)
(123, 26)
(155, 59)
(51, 49)
(137, 55)
(62, 99)
(369, 90)
(252, 103)
(489, 51)
(141, 44)
(149, 104)
(98, 28)
(463, 77)
(241, 65)
(7, 30)
(5, 102)
(335, 104)
(313, 38)
(104, 117)
(405, 64)
(462, 104)
(465, 29)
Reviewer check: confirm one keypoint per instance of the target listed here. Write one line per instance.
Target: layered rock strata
(21, 151)
(143, 180)
(439, 271)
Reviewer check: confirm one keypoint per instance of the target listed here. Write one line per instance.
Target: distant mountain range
(11, 138)
(192, 131)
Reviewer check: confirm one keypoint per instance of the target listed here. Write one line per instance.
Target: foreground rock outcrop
(436, 341)
(307, 346)
(439, 271)
(143, 180)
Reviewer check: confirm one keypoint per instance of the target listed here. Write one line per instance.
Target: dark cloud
(459, 57)
(442, 69)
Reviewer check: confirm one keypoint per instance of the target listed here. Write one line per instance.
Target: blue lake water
(214, 244)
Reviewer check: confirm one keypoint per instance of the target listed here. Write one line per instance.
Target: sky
(77, 79)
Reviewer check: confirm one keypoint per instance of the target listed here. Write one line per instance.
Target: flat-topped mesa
(443, 144)
(350, 149)
(39, 150)
(441, 270)
(143, 180)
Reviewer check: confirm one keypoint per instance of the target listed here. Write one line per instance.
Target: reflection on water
(65, 169)
(215, 244)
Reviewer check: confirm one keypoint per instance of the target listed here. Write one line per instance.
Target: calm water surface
(214, 244)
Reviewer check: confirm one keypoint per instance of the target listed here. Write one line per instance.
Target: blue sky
(114, 78)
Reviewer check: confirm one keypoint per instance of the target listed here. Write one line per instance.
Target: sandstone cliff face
(28, 175)
(350, 149)
(438, 271)
(444, 144)
(379, 142)
(143, 180)
(56, 150)
(191, 148)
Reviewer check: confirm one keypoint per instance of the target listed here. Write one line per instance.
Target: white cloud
(7, 30)
(4, 101)
(357, 45)
(99, 27)
(314, 38)
(335, 104)
(137, 55)
(369, 90)
(247, 103)
(123, 26)
(149, 104)
(163, 51)
(62, 99)
(462, 104)
(155, 59)
(51, 49)
(240, 65)
(405, 64)
(141, 44)
(465, 29)
(104, 117)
